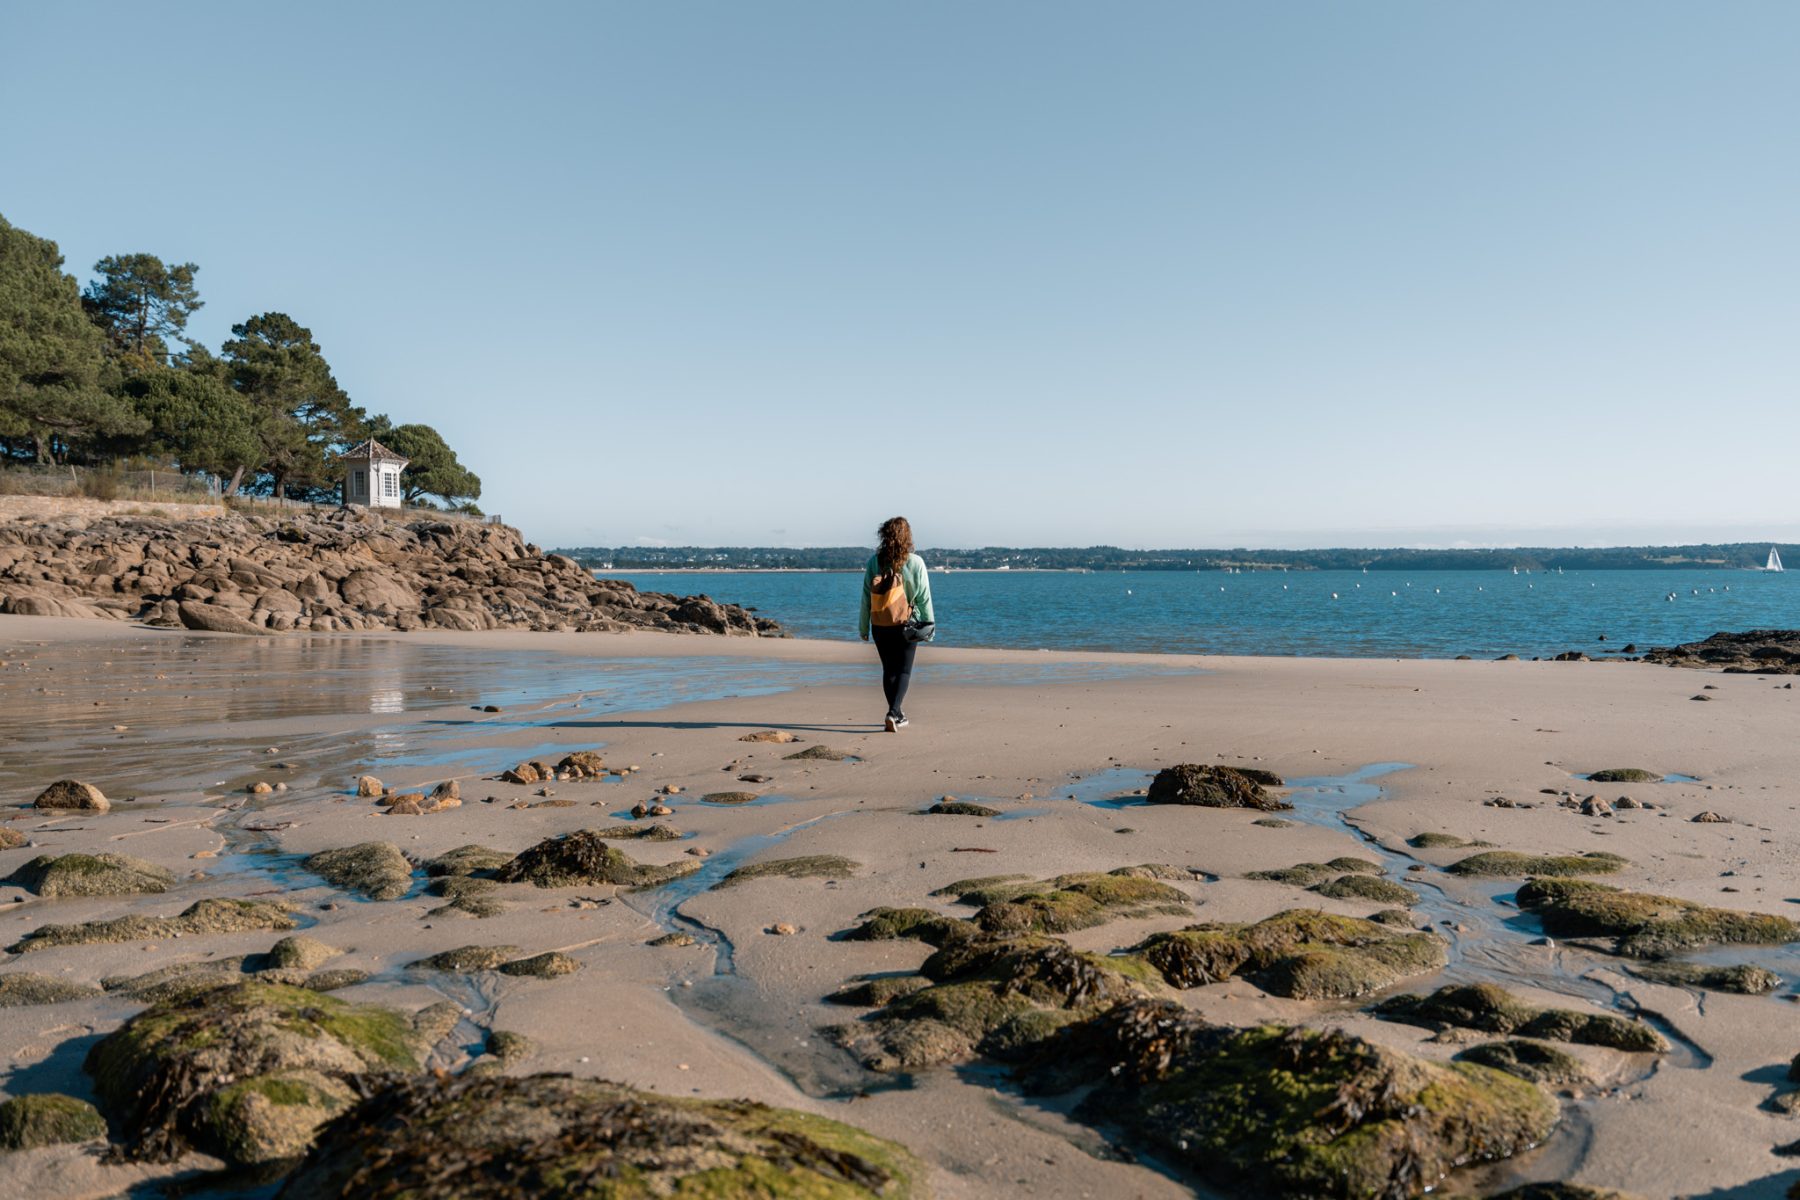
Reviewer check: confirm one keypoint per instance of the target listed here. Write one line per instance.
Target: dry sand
(1016, 730)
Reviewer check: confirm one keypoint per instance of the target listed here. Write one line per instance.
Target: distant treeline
(1112, 558)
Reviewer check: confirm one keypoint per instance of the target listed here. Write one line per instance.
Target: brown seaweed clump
(1212, 786)
(1301, 953)
(495, 1137)
(1492, 1009)
(1285, 1111)
(583, 857)
(1643, 925)
(246, 1073)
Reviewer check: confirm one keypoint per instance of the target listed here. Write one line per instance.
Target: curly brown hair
(896, 544)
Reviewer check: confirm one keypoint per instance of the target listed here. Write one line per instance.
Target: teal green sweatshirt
(912, 577)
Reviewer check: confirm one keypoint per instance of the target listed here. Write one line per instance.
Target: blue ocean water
(1431, 614)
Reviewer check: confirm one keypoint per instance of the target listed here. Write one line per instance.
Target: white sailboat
(1774, 560)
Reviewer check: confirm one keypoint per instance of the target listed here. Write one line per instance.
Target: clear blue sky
(1142, 273)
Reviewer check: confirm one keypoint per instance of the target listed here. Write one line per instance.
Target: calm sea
(1433, 614)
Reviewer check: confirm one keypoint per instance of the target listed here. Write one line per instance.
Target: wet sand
(1055, 741)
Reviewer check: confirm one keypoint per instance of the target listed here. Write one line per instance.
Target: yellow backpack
(888, 604)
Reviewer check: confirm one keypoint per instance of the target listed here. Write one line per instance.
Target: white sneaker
(893, 726)
(899, 723)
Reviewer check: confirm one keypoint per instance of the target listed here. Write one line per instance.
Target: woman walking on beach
(896, 608)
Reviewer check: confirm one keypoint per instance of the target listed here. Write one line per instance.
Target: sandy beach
(175, 727)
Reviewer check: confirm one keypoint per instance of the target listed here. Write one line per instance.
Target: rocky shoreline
(325, 572)
(1755, 652)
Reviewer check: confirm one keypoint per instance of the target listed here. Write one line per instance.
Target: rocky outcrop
(326, 570)
(1211, 786)
(1756, 652)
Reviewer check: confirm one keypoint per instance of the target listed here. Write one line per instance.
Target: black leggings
(896, 663)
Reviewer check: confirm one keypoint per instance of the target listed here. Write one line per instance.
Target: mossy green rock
(1366, 887)
(496, 1137)
(201, 917)
(49, 1119)
(1492, 1009)
(53, 876)
(1441, 841)
(1744, 979)
(810, 866)
(548, 965)
(584, 858)
(1642, 925)
(21, 988)
(467, 860)
(817, 753)
(1513, 865)
(1625, 775)
(995, 994)
(1082, 901)
(729, 798)
(302, 952)
(919, 924)
(643, 833)
(246, 1073)
(1528, 1060)
(1210, 786)
(376, 869)
(1289, 1112)
(464, 959)
(879, 991)
(1301, 953)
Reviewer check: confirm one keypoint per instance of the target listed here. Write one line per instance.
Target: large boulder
(1211, 786)
(376, 869)
(498, 1138)
(53, 876)
(72, 794)
(216, 618)
(246, 1073)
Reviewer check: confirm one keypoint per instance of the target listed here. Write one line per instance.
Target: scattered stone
(53, 876)
(951, 807)
(21, 988)
(12, 839)
(245, 1073)
(1301, 954)
(822, 753)
(811, 866)
(301, 952)
(582, 764)
(648, 833)
(367, 786)
(1643, 925)
(1511, 864)
(465, 959)
(1441, 841)
(542, 966)
(1530, 1060)
(1709, 818)
(48, 1119)
(72, 794)
(583, 857)
(1744, 979)
(179, 980)
(779, 737)
(783, 929)
(376, 869)
(1624, 775)
(754, 778)
(1492, 1009)
(729, 798)
(500, 1137)
(467, 860)
(1700, 696)
(510, 1047)
(673, 939)
(332, 980)
(1215, 787)
(1594, 806)
(1274, 822)
(202, 917)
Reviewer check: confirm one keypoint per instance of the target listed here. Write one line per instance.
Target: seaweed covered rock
(1367, 887)
(48, 1119)
(1212, 786)
(1510, 864)
(73, 794)
(1307, 874)
(495, 1137)
(464, 959)
(178, 979)
(1492, 1009)
(583, 857)
(1755, 651)
(1528, 1060)
(53, 876)
(948, 807)
(1301, 953)
(1079, 901)
(999, 995)
(646, 833)
(246, 1073)
(1289, 1112)
(547, 965)
(216, 915)
(1745, 979)
(1642, 925)
(376, 869)
(1441, 841)
(817, 754)
(919, 924)
(809, 866)
(301, 952)
(19, 989)
(1624, 775)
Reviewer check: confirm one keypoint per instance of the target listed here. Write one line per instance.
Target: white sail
(1774, 560)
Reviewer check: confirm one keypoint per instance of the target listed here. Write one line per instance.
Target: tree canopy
(432, 469)
(142, 304)
(302, 417)
(51, 355)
